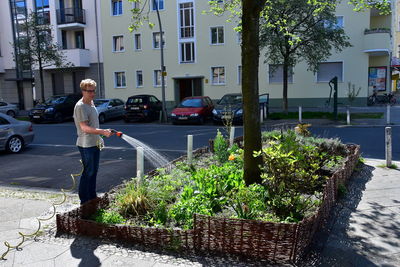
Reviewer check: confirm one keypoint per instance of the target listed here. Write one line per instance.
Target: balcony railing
(71, 15)
(377, 41)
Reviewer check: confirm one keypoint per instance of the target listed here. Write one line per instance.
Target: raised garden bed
(271, 241)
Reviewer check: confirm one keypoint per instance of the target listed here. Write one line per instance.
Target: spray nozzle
(119, 134)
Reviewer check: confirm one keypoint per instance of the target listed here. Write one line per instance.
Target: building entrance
(185, 87)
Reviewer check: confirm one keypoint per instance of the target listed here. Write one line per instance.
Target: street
(53, 156)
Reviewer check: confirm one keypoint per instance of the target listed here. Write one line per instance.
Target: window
(276, 73)
(3, 121)
(42, 11)
(157, 3)
(138, 41)
(156, 40)
(119, 79)
(217, 35)
(187, 52)
(186, 20)
(136, 5)
(139, 78)
(157, 78)
(118, 43)
(239, 75)
(116, 7)
(79, 40)
(218, 75)
(328, 70)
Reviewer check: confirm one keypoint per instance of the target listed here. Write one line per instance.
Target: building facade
(76, 29)
(202, 56)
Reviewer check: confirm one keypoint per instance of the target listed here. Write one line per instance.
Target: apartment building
(202, 56)
(75, 28)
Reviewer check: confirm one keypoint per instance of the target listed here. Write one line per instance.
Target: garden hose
(40, 220)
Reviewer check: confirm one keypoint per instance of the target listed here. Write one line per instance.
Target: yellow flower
(231, 157)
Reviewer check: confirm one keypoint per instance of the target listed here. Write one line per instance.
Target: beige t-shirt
(85, 112)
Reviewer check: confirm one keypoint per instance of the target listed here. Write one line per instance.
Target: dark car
(14, 134)
(193, 109)
(56, 108)
(142, 107)
(110, 108)
(230, 107)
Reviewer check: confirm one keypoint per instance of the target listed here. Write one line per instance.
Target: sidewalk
(364, 230)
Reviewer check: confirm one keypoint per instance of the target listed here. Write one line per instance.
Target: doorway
(185, 87)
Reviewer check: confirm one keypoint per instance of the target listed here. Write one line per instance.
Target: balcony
(377, 41)
(2, 70)
(71, 18)
(77, 58)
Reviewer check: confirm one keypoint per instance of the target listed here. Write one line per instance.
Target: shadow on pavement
(83, 250)
(354, 237)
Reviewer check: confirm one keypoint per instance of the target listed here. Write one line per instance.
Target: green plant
(391, 166)
(302, 129)
(135, 200)
(352, 93)
(108, 216)
(249, 202)
(221, 147)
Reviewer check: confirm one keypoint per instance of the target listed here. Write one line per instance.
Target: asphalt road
(49, 161)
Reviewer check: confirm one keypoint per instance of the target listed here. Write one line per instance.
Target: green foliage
(109, 217)
(249, 202)
(221, 147)
(352, 93)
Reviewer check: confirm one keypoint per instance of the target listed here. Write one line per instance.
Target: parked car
(193, 109)
(9, 109)
(142, 107)
(230, 107)
(56, 108)
(14, 134)
(109, 108)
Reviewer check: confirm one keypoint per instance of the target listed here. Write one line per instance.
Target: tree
(299, 30)
(248, 13)
(37, 47)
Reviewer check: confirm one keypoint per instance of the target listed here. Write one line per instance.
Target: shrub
(221, 147)
(111, 217)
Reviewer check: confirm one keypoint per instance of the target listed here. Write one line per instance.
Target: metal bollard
(348, 116)
(139, 162)
(388, 114)
(300, 115)
(189, 148)
(261, 116)
(388, 142)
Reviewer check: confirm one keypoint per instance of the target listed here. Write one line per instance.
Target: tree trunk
(41, 78)
(285, 86)
(251, 111)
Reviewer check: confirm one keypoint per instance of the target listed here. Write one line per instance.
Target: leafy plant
(249, 202)
(221, 147)
(302, 129)
(108, 216)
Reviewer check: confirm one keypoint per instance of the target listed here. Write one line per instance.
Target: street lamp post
(163, 73)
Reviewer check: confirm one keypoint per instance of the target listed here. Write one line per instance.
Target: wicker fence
(275, 242)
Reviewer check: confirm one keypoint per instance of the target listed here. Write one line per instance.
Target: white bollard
(300, 115)
(388, 142)
(139, 162)
(189, 148)
(388, 114)
(261, 116)
(348, 116)
(231, 136)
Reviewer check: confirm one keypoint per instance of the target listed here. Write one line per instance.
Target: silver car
(109, 108)
(9, 109)
(14, 134)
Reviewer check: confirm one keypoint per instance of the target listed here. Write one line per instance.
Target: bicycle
(381, 99)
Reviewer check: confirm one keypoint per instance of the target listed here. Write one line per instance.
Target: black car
(142, 107)
(56, 108)
(230, 107)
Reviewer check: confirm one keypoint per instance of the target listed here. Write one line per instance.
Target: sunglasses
(89, 91)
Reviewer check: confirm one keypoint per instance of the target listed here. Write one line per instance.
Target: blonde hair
(87, 83)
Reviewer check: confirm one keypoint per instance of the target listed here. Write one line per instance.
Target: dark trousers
(90, 160)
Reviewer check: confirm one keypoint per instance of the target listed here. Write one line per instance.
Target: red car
(193, 109)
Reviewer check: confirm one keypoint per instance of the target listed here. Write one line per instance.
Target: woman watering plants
(89, 141)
